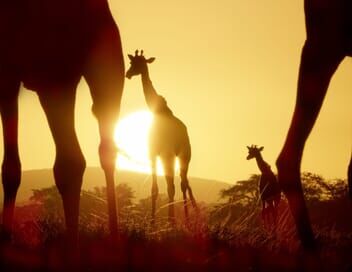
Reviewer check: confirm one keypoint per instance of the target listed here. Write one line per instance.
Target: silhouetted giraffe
(328, 42)
(168, 137)
(269, 188)
(49, 45)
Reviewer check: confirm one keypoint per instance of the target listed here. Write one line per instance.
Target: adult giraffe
(328, 42)
(168, 138)
(48, 46)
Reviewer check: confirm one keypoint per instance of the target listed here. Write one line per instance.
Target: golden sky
(228, 69)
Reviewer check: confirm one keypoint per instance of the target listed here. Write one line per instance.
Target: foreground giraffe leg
(155, 190)
(104, 73)
(11, 166)
(69, 161)
(317, 67)
(349, 174)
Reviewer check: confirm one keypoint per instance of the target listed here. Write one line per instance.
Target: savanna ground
(227, 236)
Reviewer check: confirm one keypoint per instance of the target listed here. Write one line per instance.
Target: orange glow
(131, 137)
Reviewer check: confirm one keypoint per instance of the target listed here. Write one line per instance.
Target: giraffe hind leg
(69, 162)
(185, 187)
(11, 165)
(349, 174)
(318, 64)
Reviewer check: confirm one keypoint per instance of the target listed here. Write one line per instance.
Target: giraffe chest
(268, 185)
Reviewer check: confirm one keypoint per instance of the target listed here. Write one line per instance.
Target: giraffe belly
(168, 137)
(47, 42)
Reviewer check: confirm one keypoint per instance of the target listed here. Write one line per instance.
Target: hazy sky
(228, 69)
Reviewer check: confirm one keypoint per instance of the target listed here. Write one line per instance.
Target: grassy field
(228, 236)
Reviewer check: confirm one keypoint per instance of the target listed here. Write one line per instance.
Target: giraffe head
(254, 151)
(138, 64)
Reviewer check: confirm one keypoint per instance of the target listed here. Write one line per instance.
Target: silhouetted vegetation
(229, 234)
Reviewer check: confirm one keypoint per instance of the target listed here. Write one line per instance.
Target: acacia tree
(241, 199)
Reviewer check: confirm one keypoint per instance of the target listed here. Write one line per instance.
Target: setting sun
(131, 137)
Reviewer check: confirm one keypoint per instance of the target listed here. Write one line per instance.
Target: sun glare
(131, 137)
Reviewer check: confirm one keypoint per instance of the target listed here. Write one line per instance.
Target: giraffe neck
(150, 93)
(155, 102)
(263, 166)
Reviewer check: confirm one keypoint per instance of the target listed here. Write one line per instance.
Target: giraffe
(269, 188)
(328, 42)
(168, 138)
(48, 46)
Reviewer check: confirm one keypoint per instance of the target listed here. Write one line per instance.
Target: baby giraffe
(168, 138)
(269, 189)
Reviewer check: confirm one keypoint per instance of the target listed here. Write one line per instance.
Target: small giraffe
(269, 189)
(168, 138)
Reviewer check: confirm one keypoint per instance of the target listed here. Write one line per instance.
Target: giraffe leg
(185, 187)
(11, 165)
(155, 190)
(104, 73)
(184, 183)
(349, 174)
(317, 67)
(69, 161)
(271, 212)
(264, 212)
(169, 164)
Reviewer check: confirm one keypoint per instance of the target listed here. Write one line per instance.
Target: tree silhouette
(242, 199)
(244, 192)
(93, 204)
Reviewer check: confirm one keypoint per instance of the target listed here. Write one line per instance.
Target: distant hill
(204, 190)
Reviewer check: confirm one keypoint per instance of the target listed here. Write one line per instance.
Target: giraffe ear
(150, 60)
(261, 148)
(130, 56)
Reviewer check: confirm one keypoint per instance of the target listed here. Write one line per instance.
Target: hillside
(204, 190)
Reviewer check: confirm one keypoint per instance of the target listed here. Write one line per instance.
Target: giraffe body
(48, 46)
(168, 138)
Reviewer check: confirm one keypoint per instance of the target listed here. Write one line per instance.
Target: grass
(201, 245)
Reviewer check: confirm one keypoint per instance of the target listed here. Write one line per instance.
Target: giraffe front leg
(155, 190)
(169, 164)
(184, 194)
(11, 165)
(317, 67)
(171, 194)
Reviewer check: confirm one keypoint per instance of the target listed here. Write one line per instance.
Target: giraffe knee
(11, 175)
(155, 191)
(184, 180)
(68, 172)
(170, 189)
(107, 155)
(184, 186)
